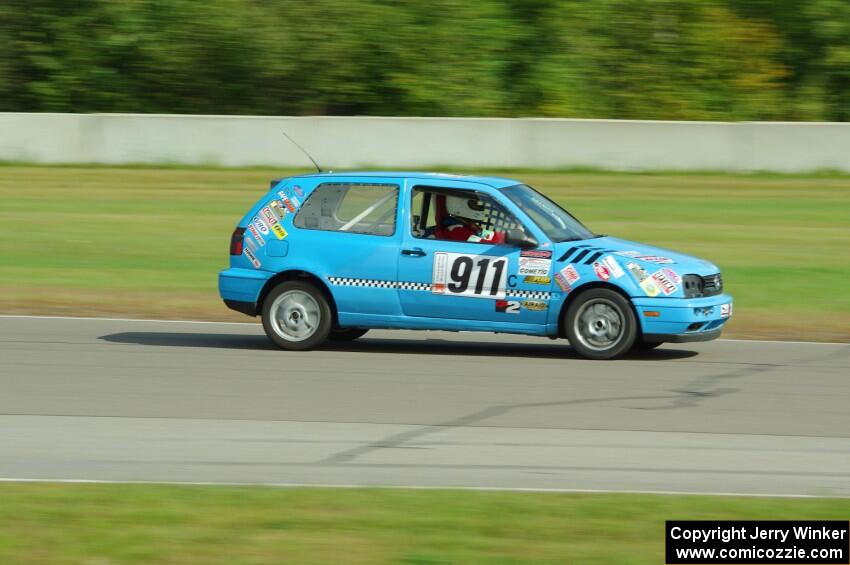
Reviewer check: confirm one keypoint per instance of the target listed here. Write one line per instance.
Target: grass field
(129, 524)
(148, 242)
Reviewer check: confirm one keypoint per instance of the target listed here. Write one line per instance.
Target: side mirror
(518, 238)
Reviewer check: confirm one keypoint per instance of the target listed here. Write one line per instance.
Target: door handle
(415, 252)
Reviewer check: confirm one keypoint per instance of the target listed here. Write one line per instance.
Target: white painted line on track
(95, 318)
(413, 487)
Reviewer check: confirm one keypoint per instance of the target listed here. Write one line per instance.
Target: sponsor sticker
(279, 231)
(562, 282)
(536, 253)
(286, 201)
(650, 287)
(532, 279)
(298, 190)
(296, 202)
(475, 276)
(613, 266)
(251, 257)
(278, 210)
(655, 259)
(664, 283)
(535, 305)
(441, 262)
(672, 275)
(725, 310)
(268, 216)
(601, 271)
(260, 225)
(627, 253)
(534, 266)
(256, 233)
(250, 243)
(569, 272)
(638, 272)
(507, 306)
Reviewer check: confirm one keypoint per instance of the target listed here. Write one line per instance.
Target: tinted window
(353, 208)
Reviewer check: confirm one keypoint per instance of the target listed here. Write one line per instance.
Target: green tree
(662, 59)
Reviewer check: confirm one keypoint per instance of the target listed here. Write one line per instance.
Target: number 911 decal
(475, 276)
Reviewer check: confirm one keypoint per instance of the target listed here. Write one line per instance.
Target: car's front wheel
(600, 324)
(296, 316)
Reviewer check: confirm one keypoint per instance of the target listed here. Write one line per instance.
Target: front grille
(712, 285)
(696, 286)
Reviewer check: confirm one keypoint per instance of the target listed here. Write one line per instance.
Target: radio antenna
(315, 164)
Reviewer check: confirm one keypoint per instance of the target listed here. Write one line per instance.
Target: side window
(348, 207)
(459, 215)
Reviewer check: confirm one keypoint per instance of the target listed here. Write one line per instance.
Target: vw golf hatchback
(332, 255)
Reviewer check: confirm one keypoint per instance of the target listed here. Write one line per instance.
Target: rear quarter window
(350, 207)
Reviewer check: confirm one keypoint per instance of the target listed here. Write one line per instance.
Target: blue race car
(332, 255)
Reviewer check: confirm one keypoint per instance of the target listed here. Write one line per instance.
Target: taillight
(236, 241)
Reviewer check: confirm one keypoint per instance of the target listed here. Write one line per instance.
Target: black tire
(301, 312)
(600, 324)
(346, 334)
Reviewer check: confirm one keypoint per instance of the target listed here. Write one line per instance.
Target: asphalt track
(122, 400)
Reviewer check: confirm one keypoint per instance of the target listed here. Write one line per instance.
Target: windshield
(555, 222)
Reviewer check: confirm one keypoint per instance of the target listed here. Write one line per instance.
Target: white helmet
(470, 208)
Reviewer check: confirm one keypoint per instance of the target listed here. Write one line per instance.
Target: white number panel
(476, 276)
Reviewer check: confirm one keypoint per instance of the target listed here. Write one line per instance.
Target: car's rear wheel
(346, 334)
(600, 324)
(296, 316)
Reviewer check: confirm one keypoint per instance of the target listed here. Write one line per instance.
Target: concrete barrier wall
(358, 142)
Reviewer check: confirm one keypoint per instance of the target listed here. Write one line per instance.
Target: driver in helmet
(461, 219)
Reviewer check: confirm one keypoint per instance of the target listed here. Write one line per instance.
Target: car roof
(495, 182)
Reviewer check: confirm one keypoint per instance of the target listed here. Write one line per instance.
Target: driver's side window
(459, 215)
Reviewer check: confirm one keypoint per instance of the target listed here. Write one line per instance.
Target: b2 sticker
(507, 306)
(475, 276)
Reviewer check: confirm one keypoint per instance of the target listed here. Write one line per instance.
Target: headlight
(696, 286)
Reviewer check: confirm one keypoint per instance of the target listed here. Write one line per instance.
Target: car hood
(648, 256)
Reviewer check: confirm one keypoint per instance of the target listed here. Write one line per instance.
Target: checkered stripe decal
(532, 294)
(374, 283)
(412, 286)
(343, 281)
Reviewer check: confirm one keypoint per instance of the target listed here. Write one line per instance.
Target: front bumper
(682, 320)
(707, 335)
